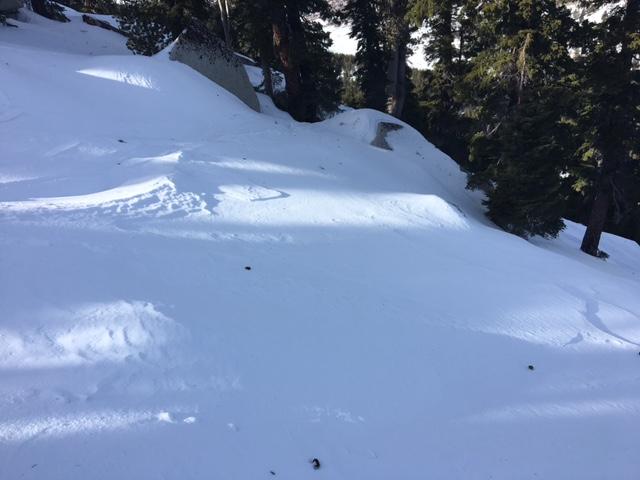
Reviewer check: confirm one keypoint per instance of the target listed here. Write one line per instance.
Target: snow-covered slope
(193, 290)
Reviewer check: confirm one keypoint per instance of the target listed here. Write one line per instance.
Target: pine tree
(288, 41)
(398, 37)
(107, 7)
(151, 25)
(49, 9)
(528, 195)
(443, 123)
(438, 15)
(519, 90)
(365, 17)
(320, 70)
(253, 28)
(302, 54)
(350, 93)
(610, 117)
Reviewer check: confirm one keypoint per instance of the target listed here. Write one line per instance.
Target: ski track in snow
(190, 289)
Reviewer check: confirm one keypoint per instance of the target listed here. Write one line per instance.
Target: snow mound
(89, 334)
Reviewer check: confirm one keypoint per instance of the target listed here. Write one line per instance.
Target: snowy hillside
(193, 290)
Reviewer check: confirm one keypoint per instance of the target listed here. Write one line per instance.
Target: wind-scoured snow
(193, 290)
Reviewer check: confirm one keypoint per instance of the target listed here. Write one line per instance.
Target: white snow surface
(385, 327)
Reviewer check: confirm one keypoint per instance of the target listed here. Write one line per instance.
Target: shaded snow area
(257, 78)
(193, 290)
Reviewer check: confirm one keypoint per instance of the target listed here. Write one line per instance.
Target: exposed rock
(10, 6)
(382, 130)
(246, 60)
(208, 55)
(88, 19)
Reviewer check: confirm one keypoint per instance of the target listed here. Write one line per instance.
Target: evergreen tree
(365, 17)
(285, 35)
(519, 91)
(253, 28)
(49, 9)
(302, 54)
(320, 70)
(443, 122)
(610, 119)
(107, 7)
(528, 194)
(350, 93)
(438, 15)
(285, 18)
(151, 25)
(398, 38)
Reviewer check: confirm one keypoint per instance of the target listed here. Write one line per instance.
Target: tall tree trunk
(267, 76)
(397, 66)
(597, 221)
(612, 141)
(397, 73)
(613, 153)
(263, 37)
(224, 17)
(282, 47)
(445, 30)
(287, 51)
(399, 37)
(303, 107)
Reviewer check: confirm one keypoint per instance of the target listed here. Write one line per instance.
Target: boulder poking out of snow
(10, 6)
(208, 55)
(382, 129)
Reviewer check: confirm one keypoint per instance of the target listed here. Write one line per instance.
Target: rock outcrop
(208, 55)
(382, 130)
(10, 6)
